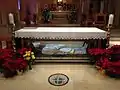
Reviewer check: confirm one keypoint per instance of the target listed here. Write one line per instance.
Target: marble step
(59, 21)
(115, 31)
(115, 39)
(60, 16)
(62, 61)
(115, 35)
(114, 43)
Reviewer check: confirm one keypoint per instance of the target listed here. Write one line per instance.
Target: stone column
(83, 9)
(86, 6)
(119, 20)
(79, 11)
(102, 6)
(22, 11)
(105, 6)
(111, 6)
(117, 13)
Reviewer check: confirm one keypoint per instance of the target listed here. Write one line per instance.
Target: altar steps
(115, 39)
(63, 59)
(59, 17)
(115, 35)
(59, 21)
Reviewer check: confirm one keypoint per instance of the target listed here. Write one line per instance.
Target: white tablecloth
(61, 33)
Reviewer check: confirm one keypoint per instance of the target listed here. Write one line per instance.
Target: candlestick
(110, 22)
(11, 21)
(108, 36)
(13, 37)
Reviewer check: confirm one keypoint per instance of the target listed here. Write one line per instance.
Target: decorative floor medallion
(58, 79)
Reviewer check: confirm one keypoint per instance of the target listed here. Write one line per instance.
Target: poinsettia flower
(115, 49)
(21, 64)
(10, 65)
(22, 51)
(96, 51)
(17, 64)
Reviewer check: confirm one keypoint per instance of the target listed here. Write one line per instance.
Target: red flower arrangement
(18, 64)
(11, 62)
(95, 54)
(109, 60)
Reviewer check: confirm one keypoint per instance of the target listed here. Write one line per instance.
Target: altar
(62, 44)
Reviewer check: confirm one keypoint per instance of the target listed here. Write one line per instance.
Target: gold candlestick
(108, 35)
(110, 23)
(12, 27)
(13, 37)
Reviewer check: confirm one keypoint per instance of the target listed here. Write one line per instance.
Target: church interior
(60, 44)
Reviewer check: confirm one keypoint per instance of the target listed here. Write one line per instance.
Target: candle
(11, 18)
(111, 18)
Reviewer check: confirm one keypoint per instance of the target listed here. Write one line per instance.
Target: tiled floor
(82, 77)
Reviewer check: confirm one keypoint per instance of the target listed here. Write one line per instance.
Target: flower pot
(9, 73)
(111, 74)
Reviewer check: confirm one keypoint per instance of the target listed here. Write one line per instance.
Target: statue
(46, 14)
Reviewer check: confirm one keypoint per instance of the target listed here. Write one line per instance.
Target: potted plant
(12, 63)
(29, 57)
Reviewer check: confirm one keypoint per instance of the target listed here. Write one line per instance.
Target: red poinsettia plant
(115, 49)
(23, 50)
(15, 64)
(108, 51)
(11, 62)
(110, 61)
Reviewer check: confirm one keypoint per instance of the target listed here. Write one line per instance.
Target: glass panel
(58, 48)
